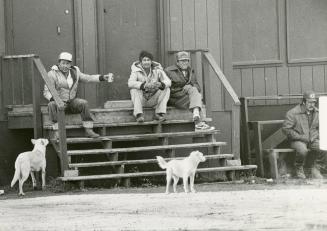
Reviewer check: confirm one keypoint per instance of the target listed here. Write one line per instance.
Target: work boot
(299, 173)
(160, 117)
(90, 133)
(315, 173)
(88, 126)
(139, 118)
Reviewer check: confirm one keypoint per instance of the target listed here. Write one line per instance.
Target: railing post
(37, 116)
(207, 87)
(62, 141)
(245, 136)
(236, 131)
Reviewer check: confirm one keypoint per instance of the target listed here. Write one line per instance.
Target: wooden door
(43, 27)
(128, 27)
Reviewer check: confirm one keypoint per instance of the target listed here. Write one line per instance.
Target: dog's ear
(33, 141)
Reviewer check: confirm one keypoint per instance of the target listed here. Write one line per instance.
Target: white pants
(157, 101)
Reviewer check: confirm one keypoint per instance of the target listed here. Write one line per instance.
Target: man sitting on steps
(301, 126)
(65, 79)
(185, 90)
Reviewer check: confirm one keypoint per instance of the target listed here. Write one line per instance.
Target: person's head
(65, 60)
(145, 58)
(309, 100)
(183, 60)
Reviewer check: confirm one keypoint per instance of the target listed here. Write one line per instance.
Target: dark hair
(145, 54)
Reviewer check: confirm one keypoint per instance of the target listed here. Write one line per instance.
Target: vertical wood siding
(292, 58)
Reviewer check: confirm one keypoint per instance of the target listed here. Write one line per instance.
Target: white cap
(65, 56)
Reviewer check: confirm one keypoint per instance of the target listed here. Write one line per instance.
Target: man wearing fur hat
(301, 126)
(185, 90)
(65, 79)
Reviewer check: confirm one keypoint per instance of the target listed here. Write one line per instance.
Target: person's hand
(157, 85)
(109, 77)
(186, 88)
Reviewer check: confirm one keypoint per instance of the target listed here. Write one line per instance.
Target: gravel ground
(291, 205)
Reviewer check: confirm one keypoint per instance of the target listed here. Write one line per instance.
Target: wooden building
(263, 47)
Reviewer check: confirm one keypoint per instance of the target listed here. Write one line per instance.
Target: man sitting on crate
(65, 79)
(301, 126)
(185, 90)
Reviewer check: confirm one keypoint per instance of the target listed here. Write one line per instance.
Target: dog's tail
(162, 163)
(16, 175)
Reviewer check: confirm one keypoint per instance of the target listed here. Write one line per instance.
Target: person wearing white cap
(65, 79)
(301, 126)
(185, 90)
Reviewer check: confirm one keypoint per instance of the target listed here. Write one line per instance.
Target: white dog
(28, 162)
(185, 168)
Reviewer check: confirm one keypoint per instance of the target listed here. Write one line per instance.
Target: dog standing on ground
(29, 162)
(185, 168)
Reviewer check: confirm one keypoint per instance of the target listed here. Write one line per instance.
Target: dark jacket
(296, 125)
(178, 81)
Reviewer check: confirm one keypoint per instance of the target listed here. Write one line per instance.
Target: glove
(186, 88)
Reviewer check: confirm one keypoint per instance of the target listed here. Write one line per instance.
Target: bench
(273, 156)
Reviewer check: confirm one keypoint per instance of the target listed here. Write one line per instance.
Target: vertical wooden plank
(247, 82)
(176, 27)
(283, 87)
(201, 26)
(306, 78)
(206, 87)
(235, 118)
(294, 81)
(259, 84)
(318, 78)
(236, 81)
(27, 86)
(271, 83)
(37, 116)
(1, 91)
(188, 20)
(258, 148)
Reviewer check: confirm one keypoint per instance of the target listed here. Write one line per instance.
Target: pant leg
(159, 101)
(80, 106)
(138, 101)
(195, 98)
(301, 150)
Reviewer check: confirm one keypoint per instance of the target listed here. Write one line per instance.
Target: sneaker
(315, 173)
(203, 126)
(139, 118)
(299, 173)
(160, 117)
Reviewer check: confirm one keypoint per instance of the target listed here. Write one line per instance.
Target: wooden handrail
(222, 77)
(46, 79)
(61, 114)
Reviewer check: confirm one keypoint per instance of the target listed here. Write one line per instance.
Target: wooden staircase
(125, 144)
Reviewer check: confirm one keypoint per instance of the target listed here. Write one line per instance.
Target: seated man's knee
(300, 148)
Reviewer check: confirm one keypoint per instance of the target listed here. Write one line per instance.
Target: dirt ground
(287, 205)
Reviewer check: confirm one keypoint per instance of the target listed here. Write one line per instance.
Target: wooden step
(134, 137)
(144, 161)
(154, 173)
(146, 148)
(127, 124)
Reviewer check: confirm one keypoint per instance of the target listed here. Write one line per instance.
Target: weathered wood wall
(279, 47)
(202, 24)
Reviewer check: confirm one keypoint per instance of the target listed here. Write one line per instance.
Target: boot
(88, 126)
(315, 173)
(299, 173)
(90, 133)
